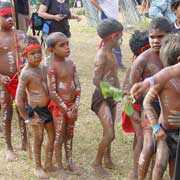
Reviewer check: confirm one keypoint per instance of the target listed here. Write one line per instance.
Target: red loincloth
(126, 120)
(12, 85)
(59, 111)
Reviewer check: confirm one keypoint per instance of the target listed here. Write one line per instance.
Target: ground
(88, 131)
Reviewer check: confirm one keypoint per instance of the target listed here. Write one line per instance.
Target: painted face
(155, 38)
(61, 48)
(34, 57)
(6, 21)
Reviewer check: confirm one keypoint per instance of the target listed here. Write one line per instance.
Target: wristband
(150, 80)
(156, 128)
(28, 120)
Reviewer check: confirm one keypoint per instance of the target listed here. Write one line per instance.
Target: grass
(88, 131)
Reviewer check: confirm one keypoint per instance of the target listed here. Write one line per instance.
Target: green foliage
(119, 96)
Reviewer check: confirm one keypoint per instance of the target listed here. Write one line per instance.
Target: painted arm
(98, 71)
(52, 89)
(20, 98)
(151, 113)
(161, 77)
(78, 88)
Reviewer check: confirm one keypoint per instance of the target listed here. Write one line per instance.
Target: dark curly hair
(160, 23)
(138, 40)
(108, 26)
(175, 4)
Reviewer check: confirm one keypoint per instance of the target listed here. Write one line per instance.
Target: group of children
(48, 97)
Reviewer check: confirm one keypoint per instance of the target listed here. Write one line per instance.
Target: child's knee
(109, 136)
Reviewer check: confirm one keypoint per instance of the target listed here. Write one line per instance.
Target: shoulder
(24, 75)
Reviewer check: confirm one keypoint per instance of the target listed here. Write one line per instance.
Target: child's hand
(35, 120)
(5, 79)
(161, 135)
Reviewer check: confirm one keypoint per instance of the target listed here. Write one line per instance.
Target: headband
(30, 47)
(107, 37)
(6, 11)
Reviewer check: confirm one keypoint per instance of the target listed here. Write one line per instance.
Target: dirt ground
(88, 131)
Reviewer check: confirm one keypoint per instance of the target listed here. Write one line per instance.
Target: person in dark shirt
(22, 11)
(56, 14)
(175, 6)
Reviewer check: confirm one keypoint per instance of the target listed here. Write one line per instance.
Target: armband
(156, 128)
(28, 120)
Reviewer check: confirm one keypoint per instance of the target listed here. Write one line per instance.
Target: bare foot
(100, 171)
(51, 169)
(63, 175)
(133, 176)
(40, 173)
(10, 155)
(109, 165)
(71, 166)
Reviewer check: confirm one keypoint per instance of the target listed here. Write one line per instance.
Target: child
(147, 64)
(169, 95)
(64, 88)
(33, 84)
(175, 6)
(105, 69)
(138, 43)
(8, 75)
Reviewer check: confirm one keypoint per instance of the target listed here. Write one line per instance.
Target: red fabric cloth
(12, 86)
(126, 120)
(58, 111)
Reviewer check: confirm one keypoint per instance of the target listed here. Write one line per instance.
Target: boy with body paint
(138, 43)
(105, 69)
(64, 88)
(147, 64)
(33, 85)
(168, 93)
(10, 63)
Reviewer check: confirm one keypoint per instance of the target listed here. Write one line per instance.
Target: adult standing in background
(110, 9)
(56, 13)
(160, 8)
(22, 13)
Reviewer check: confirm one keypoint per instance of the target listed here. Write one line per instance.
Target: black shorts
(42, 112)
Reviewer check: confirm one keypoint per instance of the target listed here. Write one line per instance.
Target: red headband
(6, 11)
(107, 37)
(30, 47)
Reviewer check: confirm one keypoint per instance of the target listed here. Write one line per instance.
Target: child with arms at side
(33, 85)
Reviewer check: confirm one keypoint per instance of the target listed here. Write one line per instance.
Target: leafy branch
(118, 95)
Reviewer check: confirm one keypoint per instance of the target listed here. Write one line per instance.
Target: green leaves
(118, 95)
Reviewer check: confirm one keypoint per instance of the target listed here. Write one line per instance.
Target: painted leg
(7, 111)
(59, 123)
(146, 154)
(38, 139)
(49, 147)
(22, 127)
(105, 117)
(137, 148)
